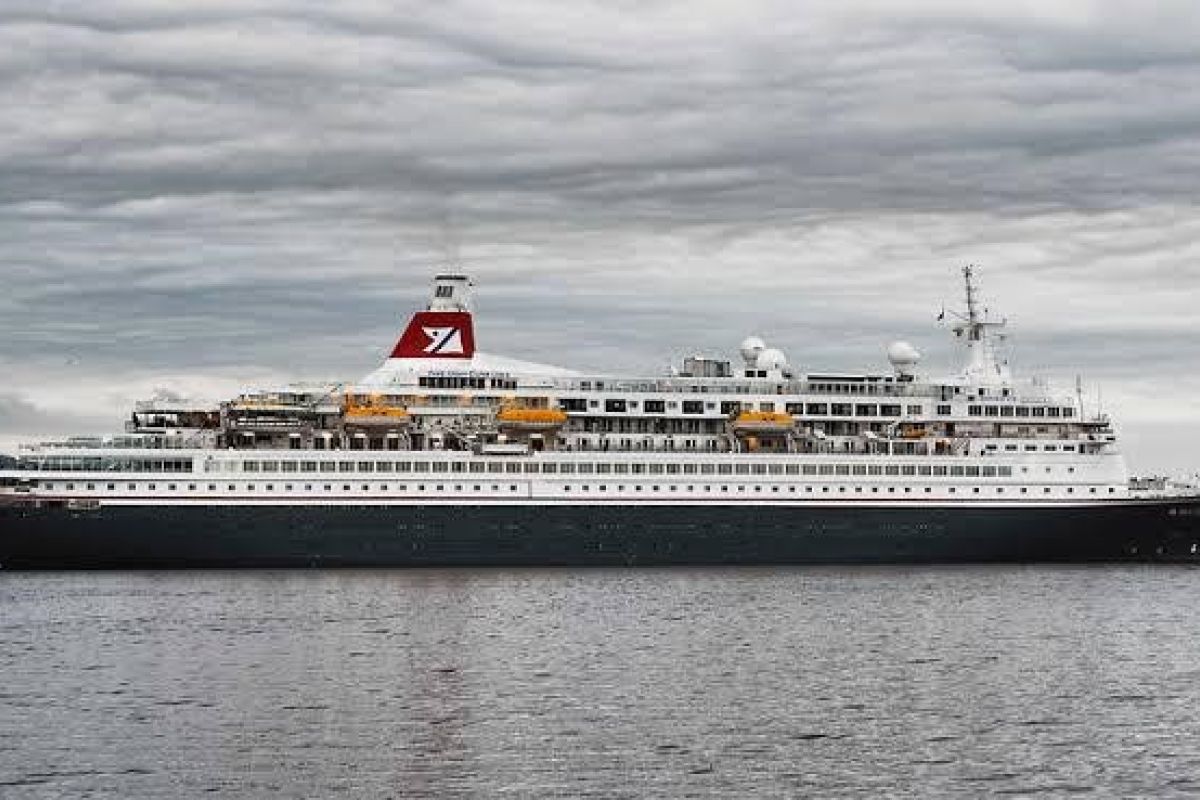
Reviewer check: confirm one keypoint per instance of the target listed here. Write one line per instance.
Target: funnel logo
(437, 334)
(444, 342)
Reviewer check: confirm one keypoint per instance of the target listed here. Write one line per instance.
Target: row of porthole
(566, 488)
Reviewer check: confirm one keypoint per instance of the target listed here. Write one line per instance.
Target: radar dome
(752, 347)
(771, 360)
(904, 357)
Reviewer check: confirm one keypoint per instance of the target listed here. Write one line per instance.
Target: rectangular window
(531, 469)
(865, 410)
(810, 469)
(549, 469)
(841, 409)
(328, 466)
(816, 409)
(972, 472)
(916, 411)
(944, 411)
(975, 411)
(693, 406)
(441, 466)
(345, 466)
(992, 411)
(655, 406)
(892, 411)
(366, 466)
(586, 469)
(614, 406)
(249, 466)
(742, 469)
(1022, 411)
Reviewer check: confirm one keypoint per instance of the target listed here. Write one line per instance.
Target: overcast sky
(200, 196)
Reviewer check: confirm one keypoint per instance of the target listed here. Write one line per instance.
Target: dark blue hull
(442, 535)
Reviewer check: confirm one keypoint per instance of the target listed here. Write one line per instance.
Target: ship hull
(203, 536)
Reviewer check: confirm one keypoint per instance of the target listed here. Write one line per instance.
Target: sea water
(788, 682)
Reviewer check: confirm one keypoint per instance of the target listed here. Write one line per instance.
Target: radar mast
(980, 334)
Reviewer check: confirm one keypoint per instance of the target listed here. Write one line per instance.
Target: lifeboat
(531, 419)
(373, 411)
(764, 422)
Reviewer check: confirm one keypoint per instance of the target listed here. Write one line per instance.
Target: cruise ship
(445, 455)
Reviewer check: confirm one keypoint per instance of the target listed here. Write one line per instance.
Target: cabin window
(693, 406)
(614, 406)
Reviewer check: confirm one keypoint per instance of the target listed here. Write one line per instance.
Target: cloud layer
(201, 195)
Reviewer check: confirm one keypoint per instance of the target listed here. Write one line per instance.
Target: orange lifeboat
(764, 422)
(531, 419)
(373, 411)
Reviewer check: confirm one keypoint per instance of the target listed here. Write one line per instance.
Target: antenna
(972, 291)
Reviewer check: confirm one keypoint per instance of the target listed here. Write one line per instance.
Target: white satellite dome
(771, 360)
(752, 347)
(904, 357)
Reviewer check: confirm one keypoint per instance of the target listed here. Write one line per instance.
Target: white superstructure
(440, 423)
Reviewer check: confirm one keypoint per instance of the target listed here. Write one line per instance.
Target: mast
(984, 365)
(972, 307)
